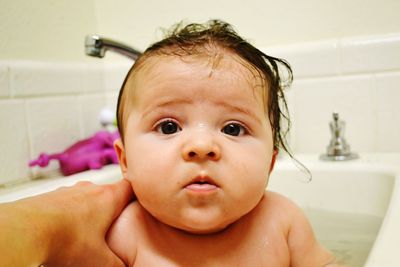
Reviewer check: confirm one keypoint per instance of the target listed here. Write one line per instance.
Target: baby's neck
(196, 233)
(196, 238)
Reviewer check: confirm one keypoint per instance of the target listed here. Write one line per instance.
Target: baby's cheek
(144, 176)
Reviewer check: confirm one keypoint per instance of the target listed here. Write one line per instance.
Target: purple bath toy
(91, 153)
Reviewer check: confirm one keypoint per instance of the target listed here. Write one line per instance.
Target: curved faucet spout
(97, 46)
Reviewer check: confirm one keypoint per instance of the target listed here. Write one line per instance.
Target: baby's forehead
(219, 61)
(228, 68)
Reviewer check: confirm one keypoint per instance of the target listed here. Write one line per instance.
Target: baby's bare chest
(242, 249)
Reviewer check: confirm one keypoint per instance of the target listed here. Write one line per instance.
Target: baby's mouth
(202, 184)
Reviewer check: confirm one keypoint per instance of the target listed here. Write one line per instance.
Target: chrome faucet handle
(337, 126)
(338, 149)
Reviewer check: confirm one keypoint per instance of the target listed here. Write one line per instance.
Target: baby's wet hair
(199, 39)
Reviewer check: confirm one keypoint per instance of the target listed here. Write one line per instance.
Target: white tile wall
(53, 122)
(41, 79)
(4, 81)
(357, 77)
(93, 77)
(352, 97)
(114, 75)
(14, 144)
(310, 59)
(370, 54)
(47, 106)
(111, 101)
(388, 111)
(89, 107)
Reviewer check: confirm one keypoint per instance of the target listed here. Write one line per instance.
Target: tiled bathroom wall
(47, 106)
(359, 78)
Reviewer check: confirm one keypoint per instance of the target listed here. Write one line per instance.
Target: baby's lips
(201, 187)
(202, 181)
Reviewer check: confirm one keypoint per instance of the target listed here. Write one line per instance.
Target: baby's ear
(273, 159)
(120, 150)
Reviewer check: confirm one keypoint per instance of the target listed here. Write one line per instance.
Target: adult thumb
(122, 195)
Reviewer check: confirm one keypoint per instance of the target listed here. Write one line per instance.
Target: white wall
(266, 22)
(45, 29)
(54, 30)
(357, 77)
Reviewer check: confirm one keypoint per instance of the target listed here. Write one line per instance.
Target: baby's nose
(201, 147)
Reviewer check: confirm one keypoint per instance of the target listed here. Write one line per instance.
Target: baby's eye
(234, 129)
(168, 127)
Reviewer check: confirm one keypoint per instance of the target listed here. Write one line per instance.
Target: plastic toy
(91, 153)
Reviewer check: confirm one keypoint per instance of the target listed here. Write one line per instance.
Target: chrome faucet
(97, 46)
(338, 149)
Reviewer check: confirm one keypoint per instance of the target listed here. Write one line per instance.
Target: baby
(199, 119)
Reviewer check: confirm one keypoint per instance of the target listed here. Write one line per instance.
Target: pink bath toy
(91, 153)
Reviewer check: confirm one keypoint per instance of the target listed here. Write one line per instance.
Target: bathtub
(354, 206)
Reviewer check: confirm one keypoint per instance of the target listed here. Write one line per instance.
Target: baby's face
(198, 145)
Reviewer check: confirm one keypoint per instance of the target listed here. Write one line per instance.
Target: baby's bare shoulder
(276, 213)
(305, 250)
(134, 211)
(131, 217)
(275, 202)
(123, 233)
(284, 210)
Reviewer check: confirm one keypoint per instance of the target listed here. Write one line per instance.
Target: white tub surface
(359, 201)
(368, 186)
(108, 174)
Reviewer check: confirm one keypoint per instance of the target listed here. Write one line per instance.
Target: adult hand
(66, 227)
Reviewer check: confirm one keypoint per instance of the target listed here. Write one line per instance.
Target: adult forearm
(24, 238)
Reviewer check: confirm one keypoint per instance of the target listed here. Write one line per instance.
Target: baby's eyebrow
(240, 109)
(165, 103)
(175, 102)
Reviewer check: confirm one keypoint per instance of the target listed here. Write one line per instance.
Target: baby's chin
(203, 230)
(202, 227)
(199, 221)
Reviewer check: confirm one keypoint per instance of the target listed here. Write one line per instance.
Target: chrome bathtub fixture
(338, 149)
(97, 46)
